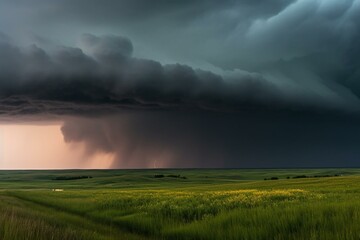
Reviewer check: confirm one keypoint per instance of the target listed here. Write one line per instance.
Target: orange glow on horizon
(43, 147)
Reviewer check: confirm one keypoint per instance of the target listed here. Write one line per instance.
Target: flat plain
(180, 204)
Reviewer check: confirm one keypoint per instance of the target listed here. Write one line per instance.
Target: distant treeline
(305, 176)
(169, 176)
(316, 176)
(71, 177)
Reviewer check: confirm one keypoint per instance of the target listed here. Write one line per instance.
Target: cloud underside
(102, 76)
(108, 78)
(283, 90)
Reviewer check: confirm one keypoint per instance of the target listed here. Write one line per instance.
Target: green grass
(205, 204)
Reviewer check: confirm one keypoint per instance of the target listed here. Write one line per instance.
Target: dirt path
(75, 220)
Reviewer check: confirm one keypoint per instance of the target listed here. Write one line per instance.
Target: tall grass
(20, 224)
(284, 209)
(307, 221)
(240, 214)
(21, 220)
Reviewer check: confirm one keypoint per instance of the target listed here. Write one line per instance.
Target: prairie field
(180, 204)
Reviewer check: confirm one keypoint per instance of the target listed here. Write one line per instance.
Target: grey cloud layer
(107, 77)
(231, 34)
(304, 49)
(145, 113)
(284, 78)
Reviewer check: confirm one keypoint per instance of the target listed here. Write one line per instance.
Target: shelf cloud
(103, 76)
(180, 84)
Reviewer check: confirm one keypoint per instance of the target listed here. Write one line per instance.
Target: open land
(180, 204)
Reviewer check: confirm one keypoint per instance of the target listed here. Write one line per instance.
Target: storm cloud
(213, 139)
(103, 75)
(189, 84)
(229, 34)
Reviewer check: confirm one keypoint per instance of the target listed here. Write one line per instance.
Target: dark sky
(191, 83)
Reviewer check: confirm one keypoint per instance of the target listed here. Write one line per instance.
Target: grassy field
(180, 204)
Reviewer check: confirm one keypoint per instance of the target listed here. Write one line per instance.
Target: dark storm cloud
(230, 34)
(107, 77)
(212, 139)
(276, 39)
(279, 76)
(173, 115)
(306, 46)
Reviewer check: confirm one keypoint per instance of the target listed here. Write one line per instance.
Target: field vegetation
(183, 204)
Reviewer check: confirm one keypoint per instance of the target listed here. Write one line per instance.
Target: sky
(162, 84)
